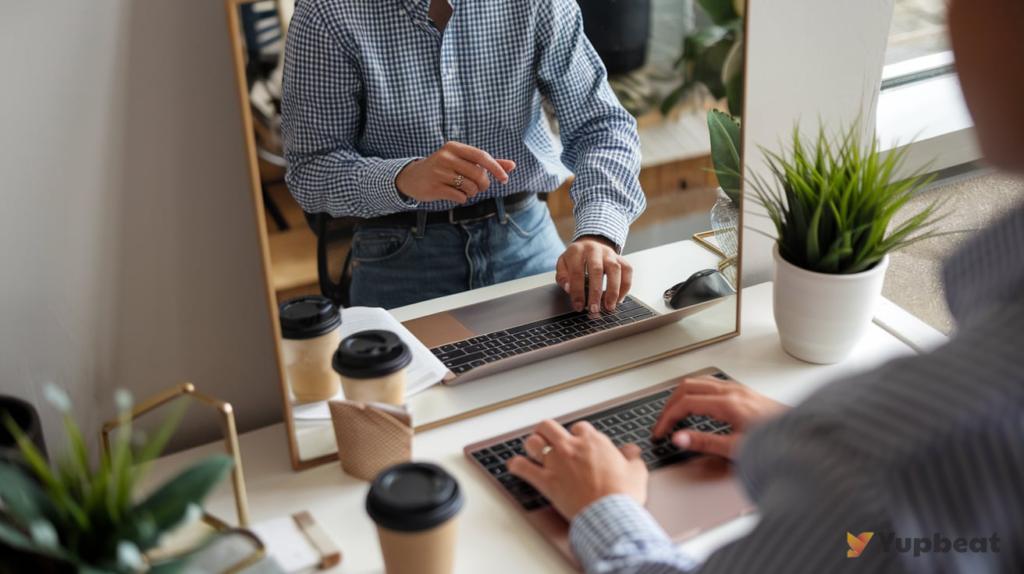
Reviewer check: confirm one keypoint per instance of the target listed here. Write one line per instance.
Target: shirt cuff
(604, 219)
(377, 183)
(617, 527)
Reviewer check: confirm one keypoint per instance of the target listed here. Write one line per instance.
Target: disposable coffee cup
(371, 365)
(415, 506)
(310, 332)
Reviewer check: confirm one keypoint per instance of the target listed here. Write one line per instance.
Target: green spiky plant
(833, 202)
(86, 518)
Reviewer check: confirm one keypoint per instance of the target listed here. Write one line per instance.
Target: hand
(581, 468)
(594, 256)
(731, 403)
(433, 178)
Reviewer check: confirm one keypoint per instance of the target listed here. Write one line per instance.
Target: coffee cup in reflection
(372, 366)
(310, 332)
(415, 506)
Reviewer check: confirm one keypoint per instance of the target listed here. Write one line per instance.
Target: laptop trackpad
(513, 310)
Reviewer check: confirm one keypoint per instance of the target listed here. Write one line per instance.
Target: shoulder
(889, 416)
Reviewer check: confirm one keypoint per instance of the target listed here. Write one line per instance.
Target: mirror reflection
(521, 195)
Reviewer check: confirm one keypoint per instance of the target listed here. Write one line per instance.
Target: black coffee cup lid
(371, 354)
(413, 496)
(308, 316)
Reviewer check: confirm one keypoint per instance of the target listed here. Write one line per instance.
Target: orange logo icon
(857, 543)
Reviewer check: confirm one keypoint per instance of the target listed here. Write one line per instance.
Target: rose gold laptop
(530, 326)
(688, 493)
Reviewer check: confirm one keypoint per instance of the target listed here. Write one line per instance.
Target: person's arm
(599, 139)
(811, 489)
(322, 113)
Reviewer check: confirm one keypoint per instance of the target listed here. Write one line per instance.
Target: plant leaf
(725, 153)
(720, 11)
(169, 504)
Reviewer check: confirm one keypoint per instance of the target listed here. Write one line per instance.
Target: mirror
(358, 110)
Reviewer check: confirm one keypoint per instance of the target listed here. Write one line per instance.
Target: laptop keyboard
(462, 356)
(627, 423)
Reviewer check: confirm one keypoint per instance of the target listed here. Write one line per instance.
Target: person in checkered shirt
(423, 118)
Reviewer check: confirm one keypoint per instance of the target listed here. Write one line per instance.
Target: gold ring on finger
(458, 182)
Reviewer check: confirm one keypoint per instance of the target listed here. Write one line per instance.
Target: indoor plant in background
(76, 517)
(832, 201)
(726, 142)
(713, 57)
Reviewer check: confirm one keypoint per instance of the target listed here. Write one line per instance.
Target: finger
(468, 188)
(533, 446)
(506, 164)
(577, 277)
(613, 271)
(554, 433)
(697, 386)
(472, 171)
(716, 444)
(715, 406)
(481, 158)
(595, 271)
(562, 273)
(581, 428)
(529, 471)
(446, 191)
(631, 451)
(626, 283)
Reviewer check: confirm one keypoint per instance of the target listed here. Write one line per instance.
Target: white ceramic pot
(821, 317)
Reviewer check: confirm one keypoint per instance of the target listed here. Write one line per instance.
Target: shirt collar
(988, 270)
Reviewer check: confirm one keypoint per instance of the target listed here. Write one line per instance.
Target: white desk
(488, 526)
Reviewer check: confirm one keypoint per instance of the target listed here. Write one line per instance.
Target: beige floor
(913, 279)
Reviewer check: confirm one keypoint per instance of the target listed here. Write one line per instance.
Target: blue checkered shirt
(369, 86)
(928, 447)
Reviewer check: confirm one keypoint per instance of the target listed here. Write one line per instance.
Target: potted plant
(77, 517)
(726, 156)
(832, 202)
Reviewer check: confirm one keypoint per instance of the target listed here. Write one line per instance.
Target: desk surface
(488, 526)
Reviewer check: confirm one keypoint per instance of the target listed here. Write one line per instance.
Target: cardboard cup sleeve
(371, 436)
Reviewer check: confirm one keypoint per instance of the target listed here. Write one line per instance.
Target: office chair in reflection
(333, 254)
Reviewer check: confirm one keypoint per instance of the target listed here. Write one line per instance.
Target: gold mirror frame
(238, 57)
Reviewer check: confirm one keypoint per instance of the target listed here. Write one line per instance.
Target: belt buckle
(451, 217)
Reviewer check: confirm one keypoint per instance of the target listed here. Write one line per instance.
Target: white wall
(127, 248)
(806, 60)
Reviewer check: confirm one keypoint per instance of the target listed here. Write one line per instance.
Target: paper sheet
(423, 372)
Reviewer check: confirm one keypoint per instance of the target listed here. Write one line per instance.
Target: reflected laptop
(688, 493)
(530, 326)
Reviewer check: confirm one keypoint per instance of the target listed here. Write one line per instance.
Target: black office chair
(333, 254)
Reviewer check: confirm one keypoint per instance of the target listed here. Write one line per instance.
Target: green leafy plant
(833, 201)
(726, 153)
(86, 517)
(713, 57)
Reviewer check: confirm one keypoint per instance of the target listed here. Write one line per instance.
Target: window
(918, 30)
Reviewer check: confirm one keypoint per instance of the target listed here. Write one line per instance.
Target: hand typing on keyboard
(602, 453)
(739, 406)
(579, 466)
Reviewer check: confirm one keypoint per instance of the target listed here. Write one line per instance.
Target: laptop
(529, 326)
(688, 492)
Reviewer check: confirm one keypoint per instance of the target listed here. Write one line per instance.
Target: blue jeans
(397, 266)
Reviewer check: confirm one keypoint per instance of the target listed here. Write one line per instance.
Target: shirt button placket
(449, 88)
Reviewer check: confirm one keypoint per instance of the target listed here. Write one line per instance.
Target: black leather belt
(482, 210)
